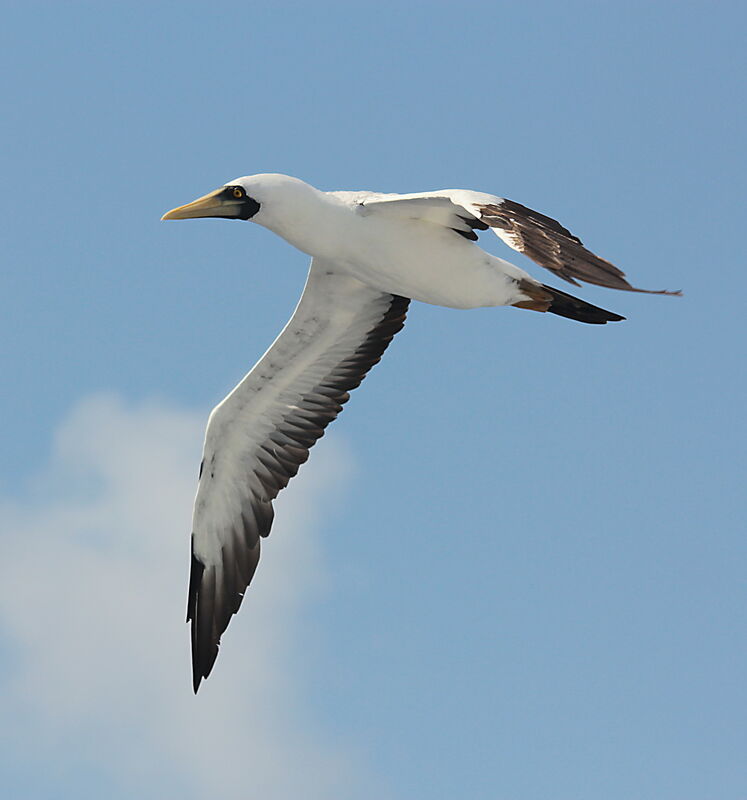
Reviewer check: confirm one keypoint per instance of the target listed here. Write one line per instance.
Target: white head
(301, 214)
(267, 199)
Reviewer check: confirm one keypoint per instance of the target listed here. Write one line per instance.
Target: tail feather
(566, 305)
(545, 298)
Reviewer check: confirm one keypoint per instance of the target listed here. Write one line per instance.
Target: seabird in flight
(371, 254)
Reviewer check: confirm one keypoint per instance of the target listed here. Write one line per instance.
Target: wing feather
(552, 246)
(258, 437)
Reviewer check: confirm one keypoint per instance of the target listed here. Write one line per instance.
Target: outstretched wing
(541, 238)
(261, 433)
(552, 246)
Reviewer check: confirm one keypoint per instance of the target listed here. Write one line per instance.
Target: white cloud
(92, 603)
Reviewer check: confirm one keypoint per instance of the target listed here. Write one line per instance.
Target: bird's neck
(311, 221)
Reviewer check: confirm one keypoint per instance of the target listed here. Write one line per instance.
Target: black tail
(566, 305)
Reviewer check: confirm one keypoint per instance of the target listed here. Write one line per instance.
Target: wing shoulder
(439, 208)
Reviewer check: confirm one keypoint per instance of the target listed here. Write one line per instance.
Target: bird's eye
(238, 192)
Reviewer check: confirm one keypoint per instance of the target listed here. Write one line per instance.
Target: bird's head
(255, 197)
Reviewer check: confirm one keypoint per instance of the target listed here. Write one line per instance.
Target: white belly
(428, 263)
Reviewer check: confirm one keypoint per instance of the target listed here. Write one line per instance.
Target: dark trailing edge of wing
(554, 247)
(215, 592)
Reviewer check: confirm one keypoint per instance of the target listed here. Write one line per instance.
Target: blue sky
(515, 566)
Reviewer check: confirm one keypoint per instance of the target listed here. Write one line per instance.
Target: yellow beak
(210, 205)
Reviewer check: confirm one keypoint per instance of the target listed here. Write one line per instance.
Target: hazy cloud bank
(96, 685)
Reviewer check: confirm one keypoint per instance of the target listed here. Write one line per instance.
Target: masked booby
(371, 255)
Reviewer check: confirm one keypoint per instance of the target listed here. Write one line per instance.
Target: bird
(371, 255)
